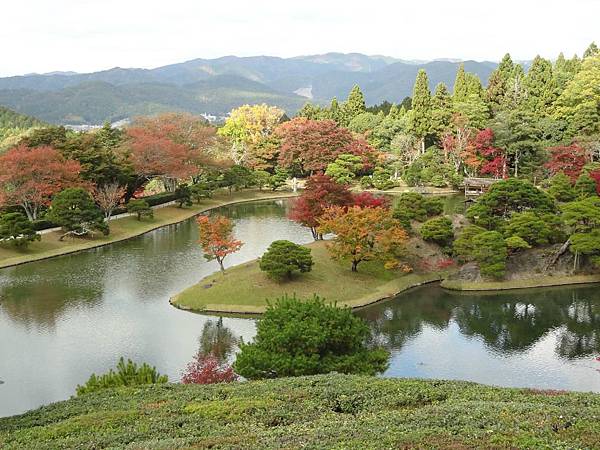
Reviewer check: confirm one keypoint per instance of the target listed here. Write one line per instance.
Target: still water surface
(64, 318)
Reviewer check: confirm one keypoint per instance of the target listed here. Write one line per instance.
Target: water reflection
(218, 340)
(507, 322)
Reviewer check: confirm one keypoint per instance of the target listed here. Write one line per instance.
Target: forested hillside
(218, 85)
(13, 126)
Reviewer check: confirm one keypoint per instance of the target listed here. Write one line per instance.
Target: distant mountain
(215, 86)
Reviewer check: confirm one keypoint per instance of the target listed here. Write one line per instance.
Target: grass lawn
(245, 288)
(318, 412)
(124, 228)
(526, 283)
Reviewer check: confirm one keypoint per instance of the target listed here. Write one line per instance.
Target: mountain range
(215, 86)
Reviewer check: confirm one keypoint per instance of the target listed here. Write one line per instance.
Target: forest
(536, 132)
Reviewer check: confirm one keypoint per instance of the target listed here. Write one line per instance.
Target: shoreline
(189, 213)
(526, 283)
(397, 286)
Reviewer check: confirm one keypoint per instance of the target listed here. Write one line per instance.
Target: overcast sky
(90, 35)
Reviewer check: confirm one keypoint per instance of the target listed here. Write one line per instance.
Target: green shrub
(75, 211)
(17, 230)
(284, 259)
(561, 188)
(489, 250)
(141, 208)
(463, 245)
(438, 230)
(183, 195)
(127, 374)
(304, 337)
(413, 206)
(515, 243)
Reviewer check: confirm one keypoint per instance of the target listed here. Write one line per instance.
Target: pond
(64, 318)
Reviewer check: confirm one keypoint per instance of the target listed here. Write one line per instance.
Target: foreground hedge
(331, 411)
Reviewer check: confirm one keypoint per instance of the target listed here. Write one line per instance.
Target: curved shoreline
(392, 289)
(191, 212)
(526, 283)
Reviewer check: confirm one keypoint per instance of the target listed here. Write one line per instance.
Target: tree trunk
(220, 261)
(355, 266)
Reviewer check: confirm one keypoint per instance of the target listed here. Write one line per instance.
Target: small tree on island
(284, 259)
(364, 234)
(216, 238)
(307, 337)
(16, 229)
(74, 210)
(140, 208)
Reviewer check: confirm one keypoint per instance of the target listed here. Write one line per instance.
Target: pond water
(64, 318)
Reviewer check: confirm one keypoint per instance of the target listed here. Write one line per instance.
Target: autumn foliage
(310, 145)
(364, 234)
(567, 159)
(320, 193)
(207, 369)
(29, 177)
(216, 238)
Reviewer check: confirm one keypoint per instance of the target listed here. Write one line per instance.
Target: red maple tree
(569, 159)
(207, 369)
(29, 177)
(369, 200)
(216, 238)
(320, 193)
(310, 145)
(492, 160)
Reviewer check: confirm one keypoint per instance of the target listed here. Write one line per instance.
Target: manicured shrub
(489, 250)
(140, 208)
(127, 374)
(463, 246)
(75, 211)
(515, 243)
(17, 230)
(413, 206)
(561, 188)
(438, 230)
(533, 228)
(304, 337)
(284, 259)
(183, 195)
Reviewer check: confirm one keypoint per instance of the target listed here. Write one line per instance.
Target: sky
(89, 35)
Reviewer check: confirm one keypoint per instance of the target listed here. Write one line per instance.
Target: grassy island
(245, 288)
(126, 228)
(328, 411)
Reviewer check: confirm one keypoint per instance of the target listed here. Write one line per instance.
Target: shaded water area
(64, 318)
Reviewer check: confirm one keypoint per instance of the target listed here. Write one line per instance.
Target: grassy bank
(124, 228)
(331, 411)
(527, 283)
(245, 288)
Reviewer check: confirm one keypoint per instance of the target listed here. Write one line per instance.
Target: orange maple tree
(364, 234)
(29, 177)
(216, 238)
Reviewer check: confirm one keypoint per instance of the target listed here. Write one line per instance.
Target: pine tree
(540, 85)
(461, 90)
(592, 50)
(354, 105)
(420, 123)
(516, 93)
(498, 83)
(335, 112)
(441, 110)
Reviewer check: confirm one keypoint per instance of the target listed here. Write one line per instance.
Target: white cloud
(87, 35)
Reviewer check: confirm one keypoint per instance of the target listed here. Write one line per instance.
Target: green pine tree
(540, 86)
(441, 110)
(420, 123)
(461, 90)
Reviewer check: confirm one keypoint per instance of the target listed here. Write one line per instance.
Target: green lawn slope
(319, 412)
(245, 288)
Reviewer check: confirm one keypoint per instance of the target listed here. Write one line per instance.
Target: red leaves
(320, 193)
(595, 175)
(31, 176)
(216, 238)
(568, 159)
(207, 369)
(368, 200)
(310, 145)
(492, 159)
